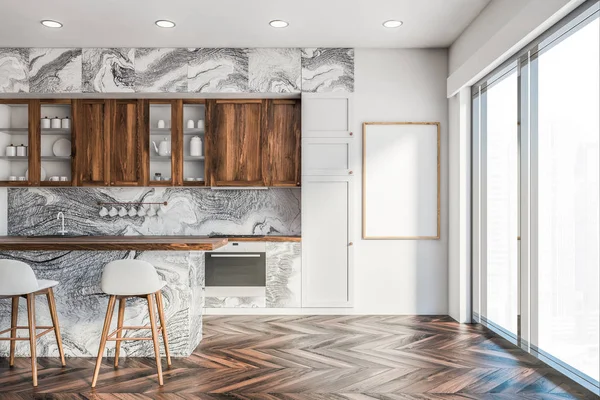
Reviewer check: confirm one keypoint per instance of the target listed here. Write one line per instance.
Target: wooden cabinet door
(128, 147)
(91, 120)
(327, 263)
(235, 142)
(283, 138)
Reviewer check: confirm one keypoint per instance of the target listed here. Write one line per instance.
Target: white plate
(42, 174)
(62, 148)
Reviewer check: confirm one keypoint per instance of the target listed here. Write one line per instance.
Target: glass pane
(568, 227)
(160, 142)
(14, 142)
(55, 128)
(502, 202)
(193, 143)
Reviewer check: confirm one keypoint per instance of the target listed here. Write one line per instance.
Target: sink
(68, 235)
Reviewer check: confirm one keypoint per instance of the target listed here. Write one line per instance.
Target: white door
(326, 241)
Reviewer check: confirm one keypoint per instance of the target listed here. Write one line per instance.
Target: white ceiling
(235, 23)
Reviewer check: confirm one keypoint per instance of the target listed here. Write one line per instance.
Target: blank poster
(401, 180)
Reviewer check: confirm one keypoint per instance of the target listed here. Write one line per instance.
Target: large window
(536, 208)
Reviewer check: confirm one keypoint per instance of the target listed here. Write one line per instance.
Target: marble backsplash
(189, 211)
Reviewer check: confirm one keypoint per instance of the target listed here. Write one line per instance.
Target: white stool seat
(130, 278)
(17, 278)
(46, 283)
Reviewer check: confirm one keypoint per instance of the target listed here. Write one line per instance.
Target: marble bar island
(174, 241)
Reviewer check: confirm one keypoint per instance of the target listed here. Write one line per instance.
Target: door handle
(235, 255)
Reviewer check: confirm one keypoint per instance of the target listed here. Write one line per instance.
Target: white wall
(401, 276)
(501, 29)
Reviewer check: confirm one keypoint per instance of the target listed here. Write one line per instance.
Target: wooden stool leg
(54, 316)
(13, 325)
(155, 338)
(163, 324)
(32, 334)
(107, 319)
(119, 326)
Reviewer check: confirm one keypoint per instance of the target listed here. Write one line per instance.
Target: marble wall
(179, 70)
(32, 211)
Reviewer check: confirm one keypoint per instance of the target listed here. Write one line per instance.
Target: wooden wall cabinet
(128, 143)
(91, 119)
(235, 142)
(247, 142)
(282, 163)
(110, 142)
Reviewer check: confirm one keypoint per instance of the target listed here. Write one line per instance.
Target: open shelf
(57, 131)
(56, 158)
(14, 158)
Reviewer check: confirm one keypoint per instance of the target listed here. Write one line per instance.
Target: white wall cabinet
(326, 241)
(326, 156)
(327, 187)
(326, 115)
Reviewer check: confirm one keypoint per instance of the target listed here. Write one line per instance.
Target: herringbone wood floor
(316, 357)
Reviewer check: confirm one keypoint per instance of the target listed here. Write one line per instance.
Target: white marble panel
(14, 70)
(214, 70)
(327, 70)
(55, 70)
(108, 70)
(273, 70)
(161, 70)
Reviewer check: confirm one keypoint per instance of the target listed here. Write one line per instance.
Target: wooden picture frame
(405, 209)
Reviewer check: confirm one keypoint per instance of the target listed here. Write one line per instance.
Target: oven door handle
(235, 255)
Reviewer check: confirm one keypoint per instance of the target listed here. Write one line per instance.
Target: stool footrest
(132, 328)
(48, 329)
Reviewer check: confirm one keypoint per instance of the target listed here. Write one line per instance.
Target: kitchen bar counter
(94, 243)
(100, 243)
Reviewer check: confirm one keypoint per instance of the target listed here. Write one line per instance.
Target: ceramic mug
(54, 178)
(113, 212)
(201, 124)
(103, 212)
(190, 124)
(64, 178)
(161, 124)
(12, 178)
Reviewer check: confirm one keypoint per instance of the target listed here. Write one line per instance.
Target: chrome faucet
(61, 216)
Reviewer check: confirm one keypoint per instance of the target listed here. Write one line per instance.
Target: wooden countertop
(94, 243)
(99, 243)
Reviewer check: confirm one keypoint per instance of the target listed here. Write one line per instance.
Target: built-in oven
(236, 270)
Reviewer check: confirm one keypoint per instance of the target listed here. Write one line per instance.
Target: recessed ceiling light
(51, 24)
(163, 23)
(392, 23)
(278, 23)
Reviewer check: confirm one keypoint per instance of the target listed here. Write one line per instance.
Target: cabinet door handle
(350, 172)
(350, 244)
(351, 133)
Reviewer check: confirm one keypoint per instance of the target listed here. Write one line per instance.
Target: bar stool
(121, 280)
(18, 280)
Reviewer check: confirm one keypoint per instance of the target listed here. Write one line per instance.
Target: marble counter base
(81, 307)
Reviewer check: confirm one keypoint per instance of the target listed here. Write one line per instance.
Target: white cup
(188, 179)
(22, 178)
(64, 178)
(190, 124)
(201, 124)
(113, 212)
(12, 178)
(161, 124)
(103, 212)
(132, 212)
